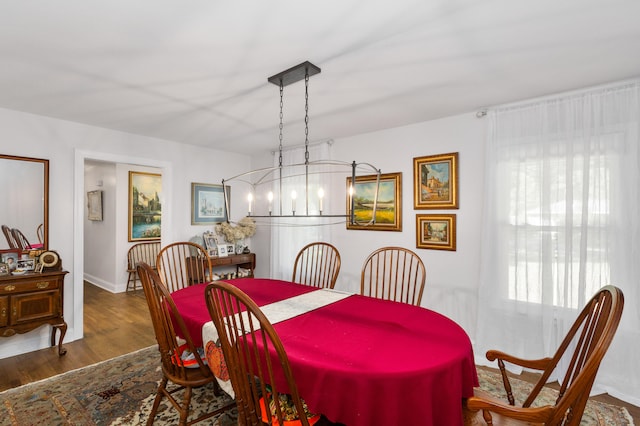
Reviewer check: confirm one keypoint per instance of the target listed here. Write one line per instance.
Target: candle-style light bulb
(270, 198)
(320, 197)
(250, 199)
(294, 195)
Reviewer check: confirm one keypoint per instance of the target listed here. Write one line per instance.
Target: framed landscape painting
(207, 203)
(435, 182)
(436, 231)
(145, 209)
(389, 206)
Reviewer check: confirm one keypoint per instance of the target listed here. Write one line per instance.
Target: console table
(244, 260)
(31, 300)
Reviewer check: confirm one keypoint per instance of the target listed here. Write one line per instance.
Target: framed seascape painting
(435, 182)
(207, 203)
(389, 207)
(436, 231)
(145, 209)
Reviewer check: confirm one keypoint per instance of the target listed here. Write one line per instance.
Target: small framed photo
(26, 264)
(94, 204)
(4, 269)
(222, 250)
(436, 231)
(231, 249)
(210, 240)
(435, 182)
(208, 203)
(10, 257)
(39, 267)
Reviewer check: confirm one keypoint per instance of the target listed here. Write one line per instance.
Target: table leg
(63, 330)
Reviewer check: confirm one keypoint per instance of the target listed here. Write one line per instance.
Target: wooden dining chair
(40, 233)
(11, 241)
(589, 338)
(254, 355)
(317, 264)
(21, 241)
(393, 273)
(165, 319)
(146, 252)
(182, 264)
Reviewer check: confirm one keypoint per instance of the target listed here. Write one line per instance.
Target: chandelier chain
(306, 117)
(280, 136)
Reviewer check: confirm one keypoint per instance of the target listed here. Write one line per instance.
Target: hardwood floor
(116, 324)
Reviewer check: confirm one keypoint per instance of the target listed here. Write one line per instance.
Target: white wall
(67, 145)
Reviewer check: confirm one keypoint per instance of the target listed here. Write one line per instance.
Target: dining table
(358, 360)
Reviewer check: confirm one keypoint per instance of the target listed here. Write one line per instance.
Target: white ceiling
(195, 71)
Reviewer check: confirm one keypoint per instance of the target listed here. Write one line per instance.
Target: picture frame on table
(94, 205)
(389, 206)
(435, 181)
(4, 269)
(222, 250)
(231, 249)
(210, 243)
(207, 203)
(436, 231)
(145, 208)
(26, 264)
(10, 257)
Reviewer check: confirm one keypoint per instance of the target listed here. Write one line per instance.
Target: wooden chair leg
(156, 401)
(186, 403)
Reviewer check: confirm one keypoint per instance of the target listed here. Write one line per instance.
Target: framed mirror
(24, 198)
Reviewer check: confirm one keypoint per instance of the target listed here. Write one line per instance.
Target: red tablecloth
(364, 361)
(191, 304)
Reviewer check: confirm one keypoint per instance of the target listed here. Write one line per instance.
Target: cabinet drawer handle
(9, 287)
(4, 313)
(42, 284)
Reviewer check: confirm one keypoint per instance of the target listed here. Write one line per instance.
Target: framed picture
(26, 264)
(4, 269)
(222, 250)
(10, 258)
(145, 209)
(210, 243)
(436, 231)
(389, 207)
(231, 249)
(207, 203)
(435, 182)
(94, 204)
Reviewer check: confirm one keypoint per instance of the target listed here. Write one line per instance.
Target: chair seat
(474, 418)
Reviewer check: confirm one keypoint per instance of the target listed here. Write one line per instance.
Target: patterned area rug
(595, 414)
(120, 391)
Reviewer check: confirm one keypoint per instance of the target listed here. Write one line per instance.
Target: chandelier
(265, 198)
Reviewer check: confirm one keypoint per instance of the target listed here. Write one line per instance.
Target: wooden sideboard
(244, 260)
(31, 300)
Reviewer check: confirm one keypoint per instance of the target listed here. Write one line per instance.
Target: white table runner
(277, 312)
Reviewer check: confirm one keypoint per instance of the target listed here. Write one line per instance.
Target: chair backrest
(40, 233)
(589, 338)
(9, 236)
(252, 350)
(146, 252)
(393, 273)
(182, 264)
(317, 265)
(21, 241)
(166, 318)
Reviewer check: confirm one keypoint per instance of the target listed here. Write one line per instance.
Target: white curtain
(289, 235)
(561, 219)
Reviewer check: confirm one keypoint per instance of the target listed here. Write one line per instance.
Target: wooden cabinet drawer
(34, 306)
(34, 284)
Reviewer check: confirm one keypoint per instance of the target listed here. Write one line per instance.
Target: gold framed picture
(435, 182)
(145, 209)
(389, 205)
(436, 231)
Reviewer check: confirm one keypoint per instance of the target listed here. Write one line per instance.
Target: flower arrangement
(246, 227)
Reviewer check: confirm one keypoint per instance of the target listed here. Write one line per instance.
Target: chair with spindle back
(393, 273)
(182, 264)
(21, 241)
(317, 264)
(11, 241)
(589, 338)
(146, 252)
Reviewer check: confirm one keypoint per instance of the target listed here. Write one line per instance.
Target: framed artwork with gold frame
(436, 231)
(389, 207)
(435, 181)
(145, 208)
